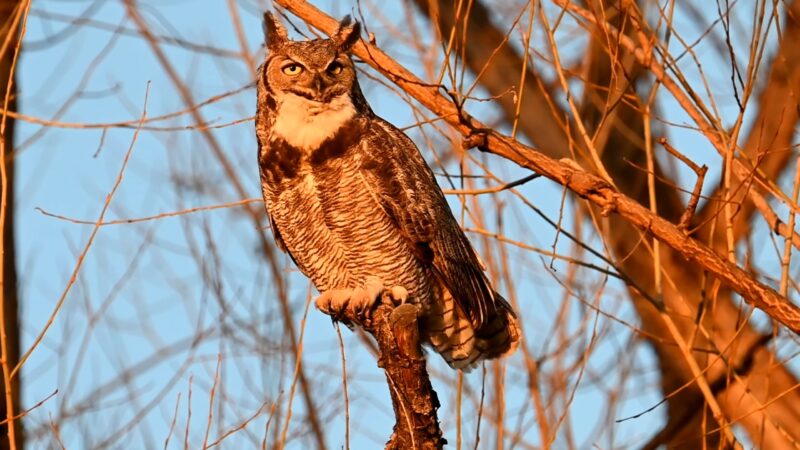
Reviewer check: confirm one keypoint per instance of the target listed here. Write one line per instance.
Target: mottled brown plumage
(353, 202)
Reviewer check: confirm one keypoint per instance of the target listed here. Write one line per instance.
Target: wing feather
(399, 179)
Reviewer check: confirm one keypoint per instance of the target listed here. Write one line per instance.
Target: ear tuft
(275, 34)
(347, 34)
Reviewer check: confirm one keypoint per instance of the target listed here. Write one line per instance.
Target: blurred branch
(255, 215)
(133, 124)
(75, 23)
(496, 64)
(88, 246)
(743, 167)
(244, 202)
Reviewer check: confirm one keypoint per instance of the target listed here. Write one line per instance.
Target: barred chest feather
(331, 223)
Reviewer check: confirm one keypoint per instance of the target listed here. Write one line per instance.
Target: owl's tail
(453, 336)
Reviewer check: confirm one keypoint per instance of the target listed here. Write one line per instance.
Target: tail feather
(453, 336)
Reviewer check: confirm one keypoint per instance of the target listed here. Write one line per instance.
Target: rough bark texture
(400, 356)
(7, 10)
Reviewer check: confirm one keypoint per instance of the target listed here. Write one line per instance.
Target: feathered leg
(358, 301)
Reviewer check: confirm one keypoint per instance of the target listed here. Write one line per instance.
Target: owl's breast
(299, 217)
(339, 234)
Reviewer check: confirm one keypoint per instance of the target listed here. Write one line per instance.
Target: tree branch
(400, 356)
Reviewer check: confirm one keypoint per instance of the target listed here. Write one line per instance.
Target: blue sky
(169, 296)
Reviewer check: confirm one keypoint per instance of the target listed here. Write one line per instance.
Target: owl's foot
(350, 302)
(397, 295)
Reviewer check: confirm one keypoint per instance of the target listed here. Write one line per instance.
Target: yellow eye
(292, 69)
(335, 68)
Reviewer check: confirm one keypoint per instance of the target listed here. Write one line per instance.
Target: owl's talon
(374, 288)
(398, 295)
(357, 302)
(364, 298)
(333, 301)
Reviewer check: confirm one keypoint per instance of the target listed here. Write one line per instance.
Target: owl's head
(319, 69)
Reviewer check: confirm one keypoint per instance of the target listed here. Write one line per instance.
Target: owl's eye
(292, 69)
(335, 68)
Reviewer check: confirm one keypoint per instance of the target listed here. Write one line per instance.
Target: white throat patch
(305, 123)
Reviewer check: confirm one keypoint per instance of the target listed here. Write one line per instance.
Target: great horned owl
(353, 202)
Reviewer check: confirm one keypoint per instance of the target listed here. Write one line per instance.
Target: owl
(352, 201)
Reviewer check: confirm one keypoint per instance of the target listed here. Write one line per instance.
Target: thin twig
(344, 390)
(787, 249)
(174, 421)
(188, 415)
(297, 369)
(246, 201)
(211, 401)
(700, 171)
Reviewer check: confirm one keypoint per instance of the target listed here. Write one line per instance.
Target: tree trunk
(8, 10)
(414, 401)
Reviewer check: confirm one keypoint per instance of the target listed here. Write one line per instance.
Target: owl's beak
(320, 87)
(317, 83)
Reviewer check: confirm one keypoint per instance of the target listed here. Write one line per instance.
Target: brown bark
(414, 401)
(10, 300)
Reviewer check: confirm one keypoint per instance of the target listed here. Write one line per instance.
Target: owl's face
(318, 70)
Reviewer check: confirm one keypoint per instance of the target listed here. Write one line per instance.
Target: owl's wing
(276, 234)
(404, 185)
